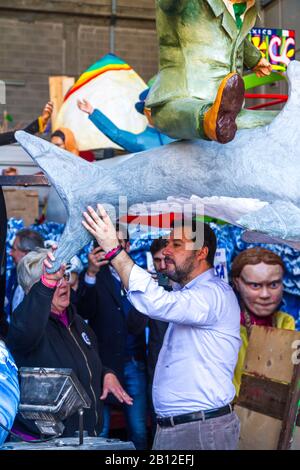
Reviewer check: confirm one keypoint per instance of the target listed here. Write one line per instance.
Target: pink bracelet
(112, 253)
(47, 283)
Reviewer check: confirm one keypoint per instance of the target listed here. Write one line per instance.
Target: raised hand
(96, 261)
(85, 106)
(47, 112)
(263, 68)
(52, 278)
(101, 227)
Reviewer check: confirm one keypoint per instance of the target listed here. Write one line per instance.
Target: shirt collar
(229, 7)
(209, 274)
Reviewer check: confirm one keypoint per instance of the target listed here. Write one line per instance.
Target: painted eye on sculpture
(275, 285)
(255, 286)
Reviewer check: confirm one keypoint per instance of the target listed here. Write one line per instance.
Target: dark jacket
(101, 304)
(7, 138)
(136, 322)
(38, 339)
(157, 330)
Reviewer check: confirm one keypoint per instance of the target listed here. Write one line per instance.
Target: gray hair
(29, 240)
(30, 268)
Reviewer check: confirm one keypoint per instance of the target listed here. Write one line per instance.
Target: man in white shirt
(192, 388)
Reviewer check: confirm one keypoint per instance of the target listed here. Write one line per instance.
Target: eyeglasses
(66, 277)
(15, 248)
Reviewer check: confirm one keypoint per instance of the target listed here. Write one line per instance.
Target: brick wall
(94, 42)
(29, 55)
(64, 37)
(133, 45)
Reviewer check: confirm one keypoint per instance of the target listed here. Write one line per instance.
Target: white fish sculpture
(261, 164)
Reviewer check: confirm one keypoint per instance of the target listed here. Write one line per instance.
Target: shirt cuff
(42, 126)
(93, 115)
(138, 279)
(89, 279)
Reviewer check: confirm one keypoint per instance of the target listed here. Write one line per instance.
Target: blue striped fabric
(9, 390)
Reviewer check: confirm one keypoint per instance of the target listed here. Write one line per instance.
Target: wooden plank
(258, 431)
(22, 204)
(270, 390)
(291, 412)
(24, 180)
(58, 87)
(270, 353)
(264, 396)
(261, 432)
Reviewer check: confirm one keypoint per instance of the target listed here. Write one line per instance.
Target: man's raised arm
(101, 227)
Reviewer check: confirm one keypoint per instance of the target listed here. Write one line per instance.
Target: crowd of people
(166, 348)
(167, 355)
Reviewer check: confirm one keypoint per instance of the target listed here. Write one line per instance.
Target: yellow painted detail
(211, 116)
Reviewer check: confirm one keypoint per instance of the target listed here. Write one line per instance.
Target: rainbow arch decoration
(110, 62)
(112, 86)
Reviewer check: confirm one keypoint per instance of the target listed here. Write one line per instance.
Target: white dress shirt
(200, 349)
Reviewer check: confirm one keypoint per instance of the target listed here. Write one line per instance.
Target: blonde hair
(30, 268)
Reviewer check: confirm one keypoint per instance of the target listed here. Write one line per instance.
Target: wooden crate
(268, 403)
(22, 204)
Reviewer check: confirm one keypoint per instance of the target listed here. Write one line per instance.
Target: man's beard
(180, 274)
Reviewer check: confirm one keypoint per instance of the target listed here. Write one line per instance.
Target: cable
(36, 441)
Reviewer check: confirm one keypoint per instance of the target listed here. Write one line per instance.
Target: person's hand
(263, 68)
(10, 171)
(47, 112)
(58, 275)
(85, 106)
(112, 385)
(74, 280)
(101, 227)
(96, 261)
